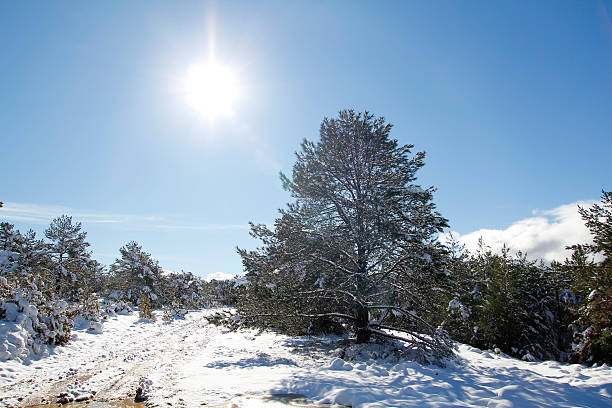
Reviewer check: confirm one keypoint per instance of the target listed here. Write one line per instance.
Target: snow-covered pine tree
(541, 336)
(358, 245)
(591, 265)
(73, 269)
(135, 275)
(186, 290)
(223, 292)
(11, 243)
(509, 302)
(467, 286)
(31, 264)
(27, 296)
(500, 308)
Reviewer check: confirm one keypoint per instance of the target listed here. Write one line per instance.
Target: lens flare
(211, 89)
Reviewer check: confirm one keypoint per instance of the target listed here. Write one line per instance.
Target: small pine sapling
(146, 310)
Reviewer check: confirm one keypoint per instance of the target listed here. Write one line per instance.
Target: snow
(220, 276)
(189, 362)
(456, 304)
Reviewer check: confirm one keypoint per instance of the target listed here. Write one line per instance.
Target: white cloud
(219, 276)
(543, 236)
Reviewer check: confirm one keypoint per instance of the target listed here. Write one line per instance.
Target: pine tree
(185, 290)
(135, 275)
(358, 245)
(31, 264)
(591, 265)
(73, 266)
(507, 302)
(460, 303)
(146, 309)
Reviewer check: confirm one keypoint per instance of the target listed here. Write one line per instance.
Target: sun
(211, 89)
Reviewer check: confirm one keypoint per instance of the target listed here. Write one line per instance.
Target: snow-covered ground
(190, 363)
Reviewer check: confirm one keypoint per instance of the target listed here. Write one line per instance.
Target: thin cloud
(201, 227)
(43, 214)
(543, 236)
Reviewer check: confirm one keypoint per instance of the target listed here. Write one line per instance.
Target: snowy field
(190, 363)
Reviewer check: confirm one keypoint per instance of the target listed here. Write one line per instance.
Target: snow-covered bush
(135, 275)
(225, 292)
(382, 349)
(113, 308)
(173, 312)
(185, 289)
(31, 315)
(89, 307)
(29, 320)
(227, 319)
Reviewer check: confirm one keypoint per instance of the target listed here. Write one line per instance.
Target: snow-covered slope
(189, 363)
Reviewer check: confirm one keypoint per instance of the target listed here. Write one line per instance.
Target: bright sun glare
(211, 89)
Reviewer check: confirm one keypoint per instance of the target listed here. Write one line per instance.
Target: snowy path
(190, 363)
(111, 364)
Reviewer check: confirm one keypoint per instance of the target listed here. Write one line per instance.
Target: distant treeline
(46, 283)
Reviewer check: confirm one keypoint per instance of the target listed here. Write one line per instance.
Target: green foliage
(286, 183)
(504, 306)
(507, 302)
(591, 266)
(222, 293)
(89, 307)
(173, 311)
(601, 349)
(146, 309)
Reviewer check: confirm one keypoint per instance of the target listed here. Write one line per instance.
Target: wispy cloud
(43, 214)
(543, 236)
(201, 227)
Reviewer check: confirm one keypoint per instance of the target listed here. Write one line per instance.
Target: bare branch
(340, 315)
(335, 265)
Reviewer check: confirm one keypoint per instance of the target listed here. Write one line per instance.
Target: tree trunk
(362, 326)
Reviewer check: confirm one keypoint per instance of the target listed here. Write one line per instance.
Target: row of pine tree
(46, 283)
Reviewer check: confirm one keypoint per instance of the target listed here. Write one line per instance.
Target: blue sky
(512, 101)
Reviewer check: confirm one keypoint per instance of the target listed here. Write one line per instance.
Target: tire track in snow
(112, 375)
